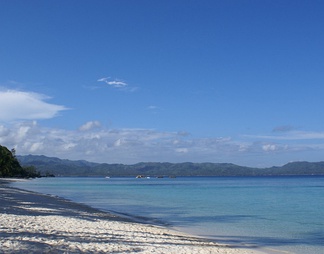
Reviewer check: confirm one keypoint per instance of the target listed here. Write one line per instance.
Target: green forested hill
(58, 167)
(10, 167)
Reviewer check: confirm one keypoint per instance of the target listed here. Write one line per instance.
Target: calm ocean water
(284, 213)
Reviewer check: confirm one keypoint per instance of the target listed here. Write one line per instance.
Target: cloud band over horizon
(96, 143)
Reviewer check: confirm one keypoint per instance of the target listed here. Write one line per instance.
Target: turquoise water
(284, 213)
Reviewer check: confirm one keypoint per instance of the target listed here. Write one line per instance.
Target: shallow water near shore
(283, 213)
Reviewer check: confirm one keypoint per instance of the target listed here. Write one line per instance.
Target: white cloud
(4, 131)
(90, 125)
(269, 147)
(19, 105)
(118, 84)
(36, 147)
(115, 83)
(119, 142)
(103, 79)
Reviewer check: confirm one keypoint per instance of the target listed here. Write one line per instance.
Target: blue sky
(129, 81)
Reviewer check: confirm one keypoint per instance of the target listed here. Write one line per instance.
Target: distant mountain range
(59, 167)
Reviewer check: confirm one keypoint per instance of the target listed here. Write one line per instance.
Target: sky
(124, 81)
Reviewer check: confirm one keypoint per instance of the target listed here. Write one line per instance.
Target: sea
(280, 214)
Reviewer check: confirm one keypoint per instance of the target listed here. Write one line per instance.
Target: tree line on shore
(10, 166)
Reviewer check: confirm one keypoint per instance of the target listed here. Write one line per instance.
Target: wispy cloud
(152, 107)
(115, 83)
(290, 135)
(20, 105)
(283, 128)
(118, 84)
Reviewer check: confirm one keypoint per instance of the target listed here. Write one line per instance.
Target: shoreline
(43, 223)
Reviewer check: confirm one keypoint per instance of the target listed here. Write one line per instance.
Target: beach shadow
(26, 203)
(20, 202)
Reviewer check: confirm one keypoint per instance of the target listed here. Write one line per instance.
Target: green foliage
(10, 167)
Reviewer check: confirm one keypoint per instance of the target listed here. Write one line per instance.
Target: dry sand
(36, 223)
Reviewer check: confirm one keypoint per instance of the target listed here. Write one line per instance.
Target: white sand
(36, 223)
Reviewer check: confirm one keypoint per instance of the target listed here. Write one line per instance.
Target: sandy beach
(36, 223)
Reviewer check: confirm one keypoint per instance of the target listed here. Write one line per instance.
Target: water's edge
(155, 222)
